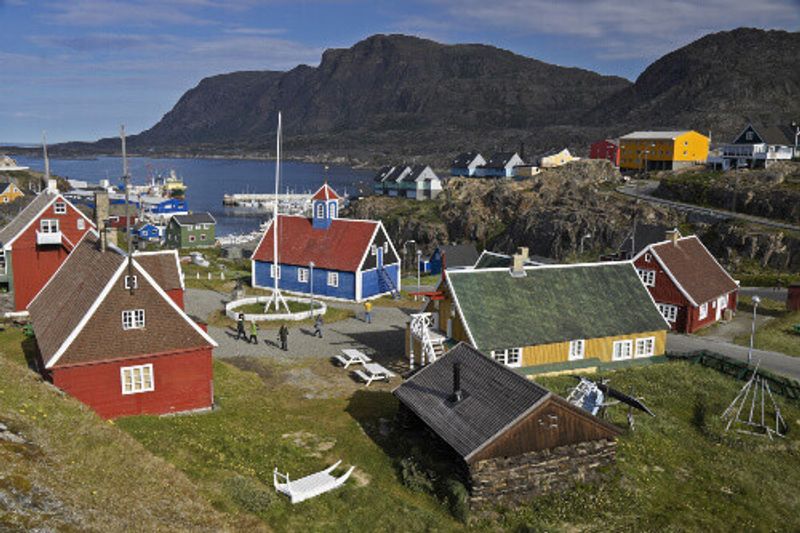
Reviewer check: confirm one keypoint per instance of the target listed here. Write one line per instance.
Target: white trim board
(458, 308)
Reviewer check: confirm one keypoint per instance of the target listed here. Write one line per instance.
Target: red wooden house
(110, 335)
(605, 149)
(36, 242)
(690, 287)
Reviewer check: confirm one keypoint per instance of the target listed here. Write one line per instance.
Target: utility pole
(125, 180)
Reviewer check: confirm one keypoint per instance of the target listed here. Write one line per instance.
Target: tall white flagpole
(277, 297)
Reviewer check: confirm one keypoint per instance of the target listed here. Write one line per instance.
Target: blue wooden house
(170, 206)
(327, 256)
(449, 256)
(148, 232)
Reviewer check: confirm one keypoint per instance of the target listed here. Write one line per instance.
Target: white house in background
(7, 164)
(758, 146)
(466, 164)
(408, 181)
(556, 158)
(500, 165)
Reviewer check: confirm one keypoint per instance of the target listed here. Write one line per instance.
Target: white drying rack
(309, 486)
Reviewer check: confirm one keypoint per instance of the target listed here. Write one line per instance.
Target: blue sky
(79, 68)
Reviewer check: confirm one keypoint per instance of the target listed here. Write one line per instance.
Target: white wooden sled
(309, 486)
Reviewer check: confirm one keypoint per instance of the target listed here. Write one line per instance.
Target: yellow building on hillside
(542, 318)
(662, 150)
(10, 192)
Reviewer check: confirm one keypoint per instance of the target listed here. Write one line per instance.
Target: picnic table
(350, 356)
(374, 372)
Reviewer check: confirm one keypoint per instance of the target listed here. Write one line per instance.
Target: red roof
(325, 193)
(340, 247)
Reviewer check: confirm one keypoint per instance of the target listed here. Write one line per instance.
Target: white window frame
(645, 347)
(622, 350)
(131, 282)
(302, 275)
(332, 210)
(648, 257)
(374, 249)
(80, 224)
(320, 210)
(202, 236)
(192, 238)
(60, 208)
(703, 311)
(272, 271)
(136, 382)
(385, 248)
(648, 277)
(511, 357)
(333, 279)
(577, 349)
(133, 319)
(669, 312)
(46, 225)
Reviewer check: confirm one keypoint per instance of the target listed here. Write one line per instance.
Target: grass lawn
(410, 283)
(80, 473)
(778, 334)
(333, 314)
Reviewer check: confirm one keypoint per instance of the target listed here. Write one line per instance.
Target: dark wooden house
(513, 437)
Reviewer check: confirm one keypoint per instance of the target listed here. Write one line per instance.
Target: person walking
(368, 312)
(283, 335)
(240, 333)
(318, 326)
(253, 333)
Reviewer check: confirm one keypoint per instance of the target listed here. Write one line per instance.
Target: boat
(174, 186)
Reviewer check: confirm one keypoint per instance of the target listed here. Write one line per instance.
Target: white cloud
(138, 12)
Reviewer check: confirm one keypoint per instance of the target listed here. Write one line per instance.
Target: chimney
(673, 235)
(458, 395)
(52, 186)
(101, 216)
(519, 258)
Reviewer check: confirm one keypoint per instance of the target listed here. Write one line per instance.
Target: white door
(722, 304)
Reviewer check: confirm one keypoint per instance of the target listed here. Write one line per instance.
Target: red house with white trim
(605, 149)
(37, 241)
(689, 286)
(111, 336)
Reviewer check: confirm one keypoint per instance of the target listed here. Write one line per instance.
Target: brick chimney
(101, 214)
(519, 258)
(673, 235)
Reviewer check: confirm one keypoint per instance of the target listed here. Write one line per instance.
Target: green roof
(553, 304)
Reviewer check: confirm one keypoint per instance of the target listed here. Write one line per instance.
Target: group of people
(283, 331)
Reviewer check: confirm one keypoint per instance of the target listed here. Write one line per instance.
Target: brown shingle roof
(26, 216)
(698, 274)
(76, 303)
(163, 266)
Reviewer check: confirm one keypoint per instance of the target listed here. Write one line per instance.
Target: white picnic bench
(350, 356)
(309, 486)
(374, 372)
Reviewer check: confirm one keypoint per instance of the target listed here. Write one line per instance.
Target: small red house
(110, 335)
(689, 286)
(605, 149)
(36, 242)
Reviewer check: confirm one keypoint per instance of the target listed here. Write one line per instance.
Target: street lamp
(311, 279)
(756, 301)
(419, 283)
(587, 236)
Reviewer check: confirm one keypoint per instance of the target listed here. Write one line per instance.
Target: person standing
(368, 312)
(318, 326)
(253, 333)
(283, 335)
(240, 334)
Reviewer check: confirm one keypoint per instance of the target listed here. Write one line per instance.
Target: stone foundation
(512, 480)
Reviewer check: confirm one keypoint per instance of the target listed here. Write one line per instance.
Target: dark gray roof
(26, 216)
(494, 398)
(459, 255)
(416, 170)
(463, 160)
(499, 160)
(194, 218)
(779, 135)
(645, 235)
(383, 172)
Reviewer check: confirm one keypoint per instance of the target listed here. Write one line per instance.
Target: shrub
(415, 477)
(250, 494)
(699, 413)
(457, 499)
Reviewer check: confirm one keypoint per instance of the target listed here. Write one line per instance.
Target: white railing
(420, 328)
(48, 238)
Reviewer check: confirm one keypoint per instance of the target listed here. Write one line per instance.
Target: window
(333, 279)
(648, 257)
(511, 357)
(131, 282)
(49, 226)
(3, 262)
(81, 224)
(748, 136)
(272, 271)
(302, 275)
(136, 379)
(386, 248)
(333, 209)
(703, 311)
(5, 199)
(622, 350)
(320, 210)
(645, 347)
(648, 277)
(60, 208)
(191, 238)
(202, 236)
(577, 349)
(133, 319)
(374, 250)
(670, 312)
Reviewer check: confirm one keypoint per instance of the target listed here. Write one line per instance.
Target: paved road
(771, 293)
(643, 191)
(774, 361)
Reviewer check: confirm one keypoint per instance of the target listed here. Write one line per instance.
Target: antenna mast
(46, 159)
(277, 297)
(126, 180)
